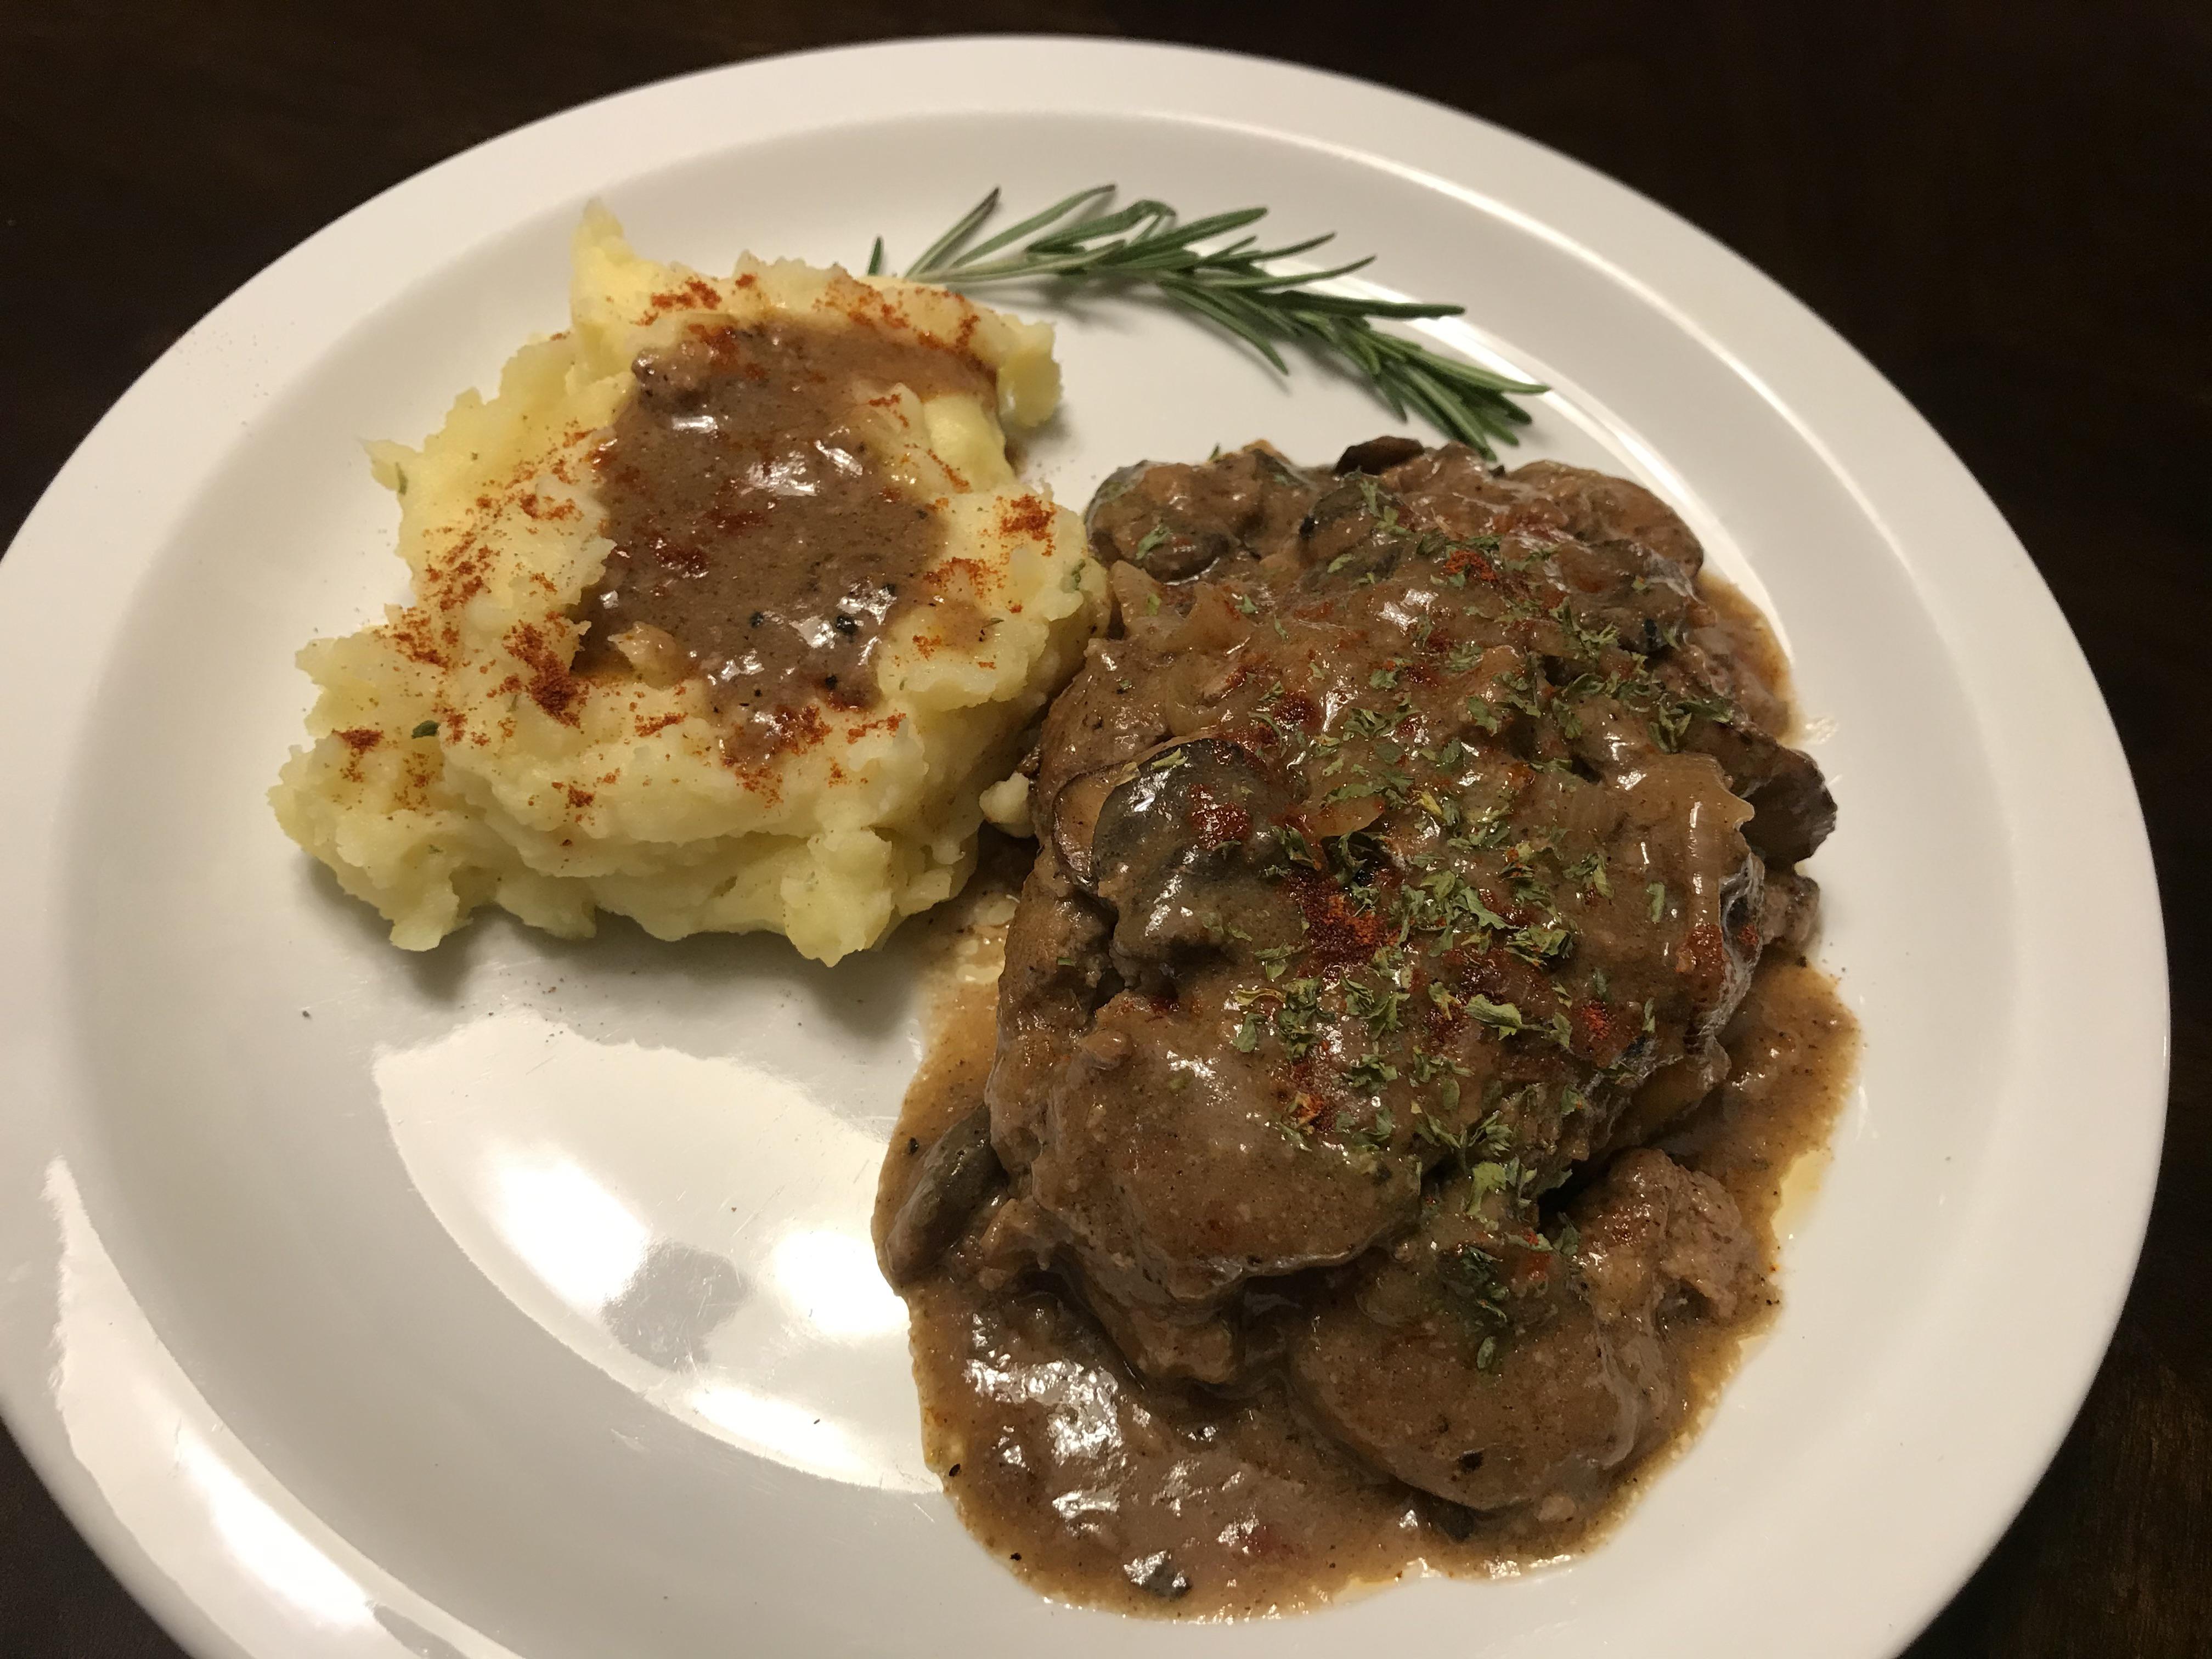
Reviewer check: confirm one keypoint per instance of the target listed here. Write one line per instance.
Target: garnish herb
(1146, 244)
(1503, 1015)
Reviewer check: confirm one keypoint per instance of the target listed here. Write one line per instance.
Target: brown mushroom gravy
(758, 538)
(1404, 1035)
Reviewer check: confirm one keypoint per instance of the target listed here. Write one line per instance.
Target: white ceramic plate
(516, 1299)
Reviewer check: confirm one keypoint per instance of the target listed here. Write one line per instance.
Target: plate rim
(1775, 344)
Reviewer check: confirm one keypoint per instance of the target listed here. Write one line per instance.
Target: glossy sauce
(1748, 643)
(759, 539)
(1076, 1473)
(1101, 1487)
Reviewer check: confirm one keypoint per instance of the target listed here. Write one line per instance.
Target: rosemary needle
(1146, 244)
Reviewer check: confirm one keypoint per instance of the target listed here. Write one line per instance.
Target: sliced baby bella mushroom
(1377, 455)
(1082, 799)
(958, 1172)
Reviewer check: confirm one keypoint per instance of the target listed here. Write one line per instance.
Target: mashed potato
(458, 760)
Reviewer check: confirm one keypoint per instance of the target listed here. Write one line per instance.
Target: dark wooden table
(2003, 204)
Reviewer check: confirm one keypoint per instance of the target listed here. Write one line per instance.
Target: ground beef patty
(1415, 821)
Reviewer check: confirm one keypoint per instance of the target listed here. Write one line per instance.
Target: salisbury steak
(1402, 855)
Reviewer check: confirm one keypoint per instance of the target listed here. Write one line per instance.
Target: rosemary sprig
(1146, 244)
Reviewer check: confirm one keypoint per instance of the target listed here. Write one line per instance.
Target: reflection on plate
(602, 1188)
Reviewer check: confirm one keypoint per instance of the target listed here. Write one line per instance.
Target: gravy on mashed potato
(757, 539)
(728, 612)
